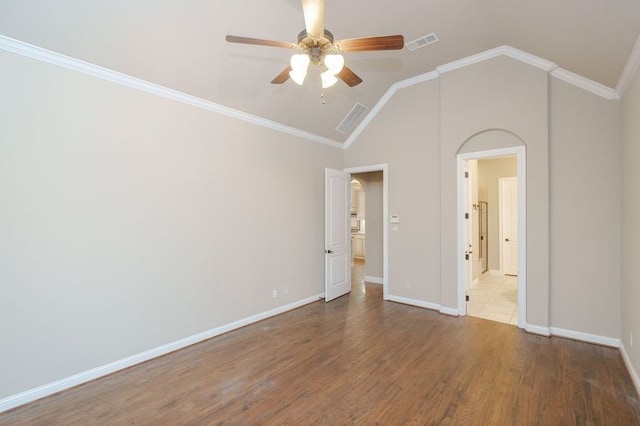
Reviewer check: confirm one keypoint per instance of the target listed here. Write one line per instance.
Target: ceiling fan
(317, 46)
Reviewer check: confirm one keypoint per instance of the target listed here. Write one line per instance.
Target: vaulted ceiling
(181, 44)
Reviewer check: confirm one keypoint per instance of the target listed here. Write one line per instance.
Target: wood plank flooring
(359, 360)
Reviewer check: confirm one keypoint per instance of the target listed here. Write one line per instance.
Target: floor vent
(349, 121)
(422, 41)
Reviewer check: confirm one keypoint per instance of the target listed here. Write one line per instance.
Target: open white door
(509, 225)
(337, 231)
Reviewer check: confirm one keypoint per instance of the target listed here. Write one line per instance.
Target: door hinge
(466, 215)
(466, 256)
(466, 298)
(466, 174)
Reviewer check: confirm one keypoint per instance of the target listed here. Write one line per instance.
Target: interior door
(337, 257)
(509, 225)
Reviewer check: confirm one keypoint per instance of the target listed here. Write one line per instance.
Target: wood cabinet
(358, 245)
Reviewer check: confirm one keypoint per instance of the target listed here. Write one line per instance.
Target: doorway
(368, 222)
(491, 232)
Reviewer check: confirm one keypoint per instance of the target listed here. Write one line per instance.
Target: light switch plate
(395, 218)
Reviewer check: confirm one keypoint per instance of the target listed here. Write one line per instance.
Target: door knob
(506, 239)
(328, 251)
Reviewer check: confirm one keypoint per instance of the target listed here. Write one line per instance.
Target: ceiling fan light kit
(317, 47)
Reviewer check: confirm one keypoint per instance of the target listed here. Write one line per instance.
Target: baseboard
(449, 311)
(536, 329)
(632, 371)
(413, 302)
(585, 337)
(95, 373)
(373, 280)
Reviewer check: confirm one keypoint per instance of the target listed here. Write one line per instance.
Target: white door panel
(337, 233)
(509, 225)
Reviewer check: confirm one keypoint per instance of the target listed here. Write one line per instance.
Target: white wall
(129, 221)
(631, 220)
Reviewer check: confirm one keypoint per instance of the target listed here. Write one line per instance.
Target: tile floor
(494, 297)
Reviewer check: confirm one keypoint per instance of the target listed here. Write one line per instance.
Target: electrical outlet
(275, 293)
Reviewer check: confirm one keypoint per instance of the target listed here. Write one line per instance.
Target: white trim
(449, 311)
(536, 329)
(44, 55)
(414, 302)
(370, 116)
(584, 83)
(629, 69)
(95, 373)
(585, 337)
(520, 153)
(632, 371)
(374, 280)
(384, 168)
(530, 59)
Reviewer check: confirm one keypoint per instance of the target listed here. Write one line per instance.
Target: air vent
(350, 120)
(422, 41)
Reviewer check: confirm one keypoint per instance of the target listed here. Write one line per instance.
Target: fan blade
(349, 77)
(260, 42)
(313, 17)
(392, 42)
(282, 77)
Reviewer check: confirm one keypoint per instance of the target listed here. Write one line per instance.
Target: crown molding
(44, 55)
(384, 99)
(511, 52)
(629, 69)
(584, 83)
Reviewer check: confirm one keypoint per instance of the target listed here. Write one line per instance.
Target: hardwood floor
(359, 360)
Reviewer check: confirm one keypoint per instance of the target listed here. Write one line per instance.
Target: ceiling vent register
(422, 41)
(349, 121)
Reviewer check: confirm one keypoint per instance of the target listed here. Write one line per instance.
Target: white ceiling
(180, 44)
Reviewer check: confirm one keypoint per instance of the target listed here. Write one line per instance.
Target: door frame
(501, 219)
(520, 153)
(384, 168)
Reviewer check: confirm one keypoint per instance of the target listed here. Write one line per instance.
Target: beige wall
(585, 211)
(572, 148)
(129, 221)
(631, 219)
(489, 171)
(373, 189)
(405, 135)
(504, 94)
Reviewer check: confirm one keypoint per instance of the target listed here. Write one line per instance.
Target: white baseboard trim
(632, 371)
(95, 373)
(373, 280)
(536, 329)
(585, 337)
(494, 272)
(413, 302)
(449, 311)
